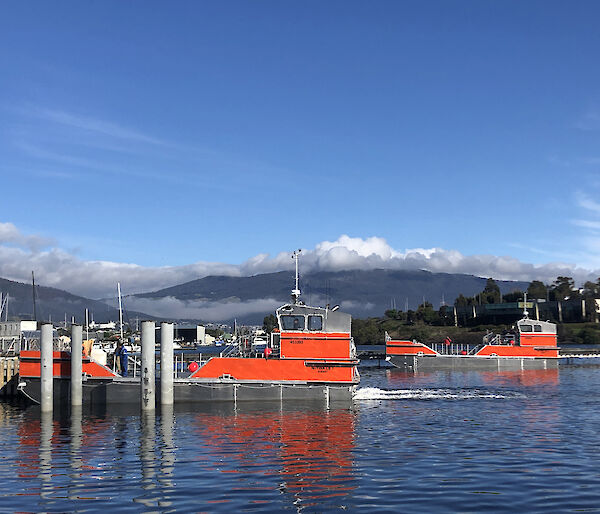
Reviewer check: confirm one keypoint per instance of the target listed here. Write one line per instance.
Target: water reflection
(523, 439)
(156, 458)
(523, 378)
(317, 454)
(310, 451)
(515, 378)
(76, 464)
(167, 457)
(249, 454)
(45, 454)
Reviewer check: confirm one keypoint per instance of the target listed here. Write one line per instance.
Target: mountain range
(55, 304)
(362, 293)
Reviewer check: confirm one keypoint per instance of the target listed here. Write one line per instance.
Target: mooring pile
(148, 366)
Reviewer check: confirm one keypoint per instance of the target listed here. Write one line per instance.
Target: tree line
(563, 288)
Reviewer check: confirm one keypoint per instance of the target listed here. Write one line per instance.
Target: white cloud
(589, 224)
(594, 225)
(93, 125)
(170, 307)
(20, 253)
(55, 267)
(350, 305)
(585, 202)
(374, 252)
(9, 234)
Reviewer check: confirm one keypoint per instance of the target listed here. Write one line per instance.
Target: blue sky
(169, 133)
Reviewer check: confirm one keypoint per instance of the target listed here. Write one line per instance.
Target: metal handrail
(491, 338)
(136, 363)
(453, 348)
(353, 354)
(229, 352)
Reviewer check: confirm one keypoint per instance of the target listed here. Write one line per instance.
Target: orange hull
(29, 366)
(543, 349)
(518, 351)
(279, 370)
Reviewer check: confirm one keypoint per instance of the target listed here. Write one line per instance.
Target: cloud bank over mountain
(172, 308)
(21, 253)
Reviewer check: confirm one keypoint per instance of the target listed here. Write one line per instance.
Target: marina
(166, 169)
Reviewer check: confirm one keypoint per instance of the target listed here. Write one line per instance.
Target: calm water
(451, 441)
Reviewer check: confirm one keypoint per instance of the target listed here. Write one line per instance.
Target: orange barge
(311, 356)
(533, 344)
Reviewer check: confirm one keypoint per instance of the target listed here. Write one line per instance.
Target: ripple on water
(374, 393)
(476, 442)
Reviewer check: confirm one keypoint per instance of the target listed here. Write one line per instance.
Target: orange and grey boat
(532, 344)
(311, 356)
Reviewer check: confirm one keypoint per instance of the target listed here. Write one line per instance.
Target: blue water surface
(437, 442)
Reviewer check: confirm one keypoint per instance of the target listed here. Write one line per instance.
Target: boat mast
(33, 288)
(296, 291)
(120, 309)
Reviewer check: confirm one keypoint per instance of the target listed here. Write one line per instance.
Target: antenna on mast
(525, 313)
(296, 291)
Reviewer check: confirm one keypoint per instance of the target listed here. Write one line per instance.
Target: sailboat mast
(33, 288)
(120, 309)
(87, 324)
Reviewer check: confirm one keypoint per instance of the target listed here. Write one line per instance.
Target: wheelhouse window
(315, 323)
(537, 328)
(292, 322)
(526, 328)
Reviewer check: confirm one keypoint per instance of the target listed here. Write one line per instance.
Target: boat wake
(373, 393)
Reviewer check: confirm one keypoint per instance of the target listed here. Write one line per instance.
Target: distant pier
(579, 352)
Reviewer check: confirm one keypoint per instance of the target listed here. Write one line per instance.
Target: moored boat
(311, 356)
(532, 344)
